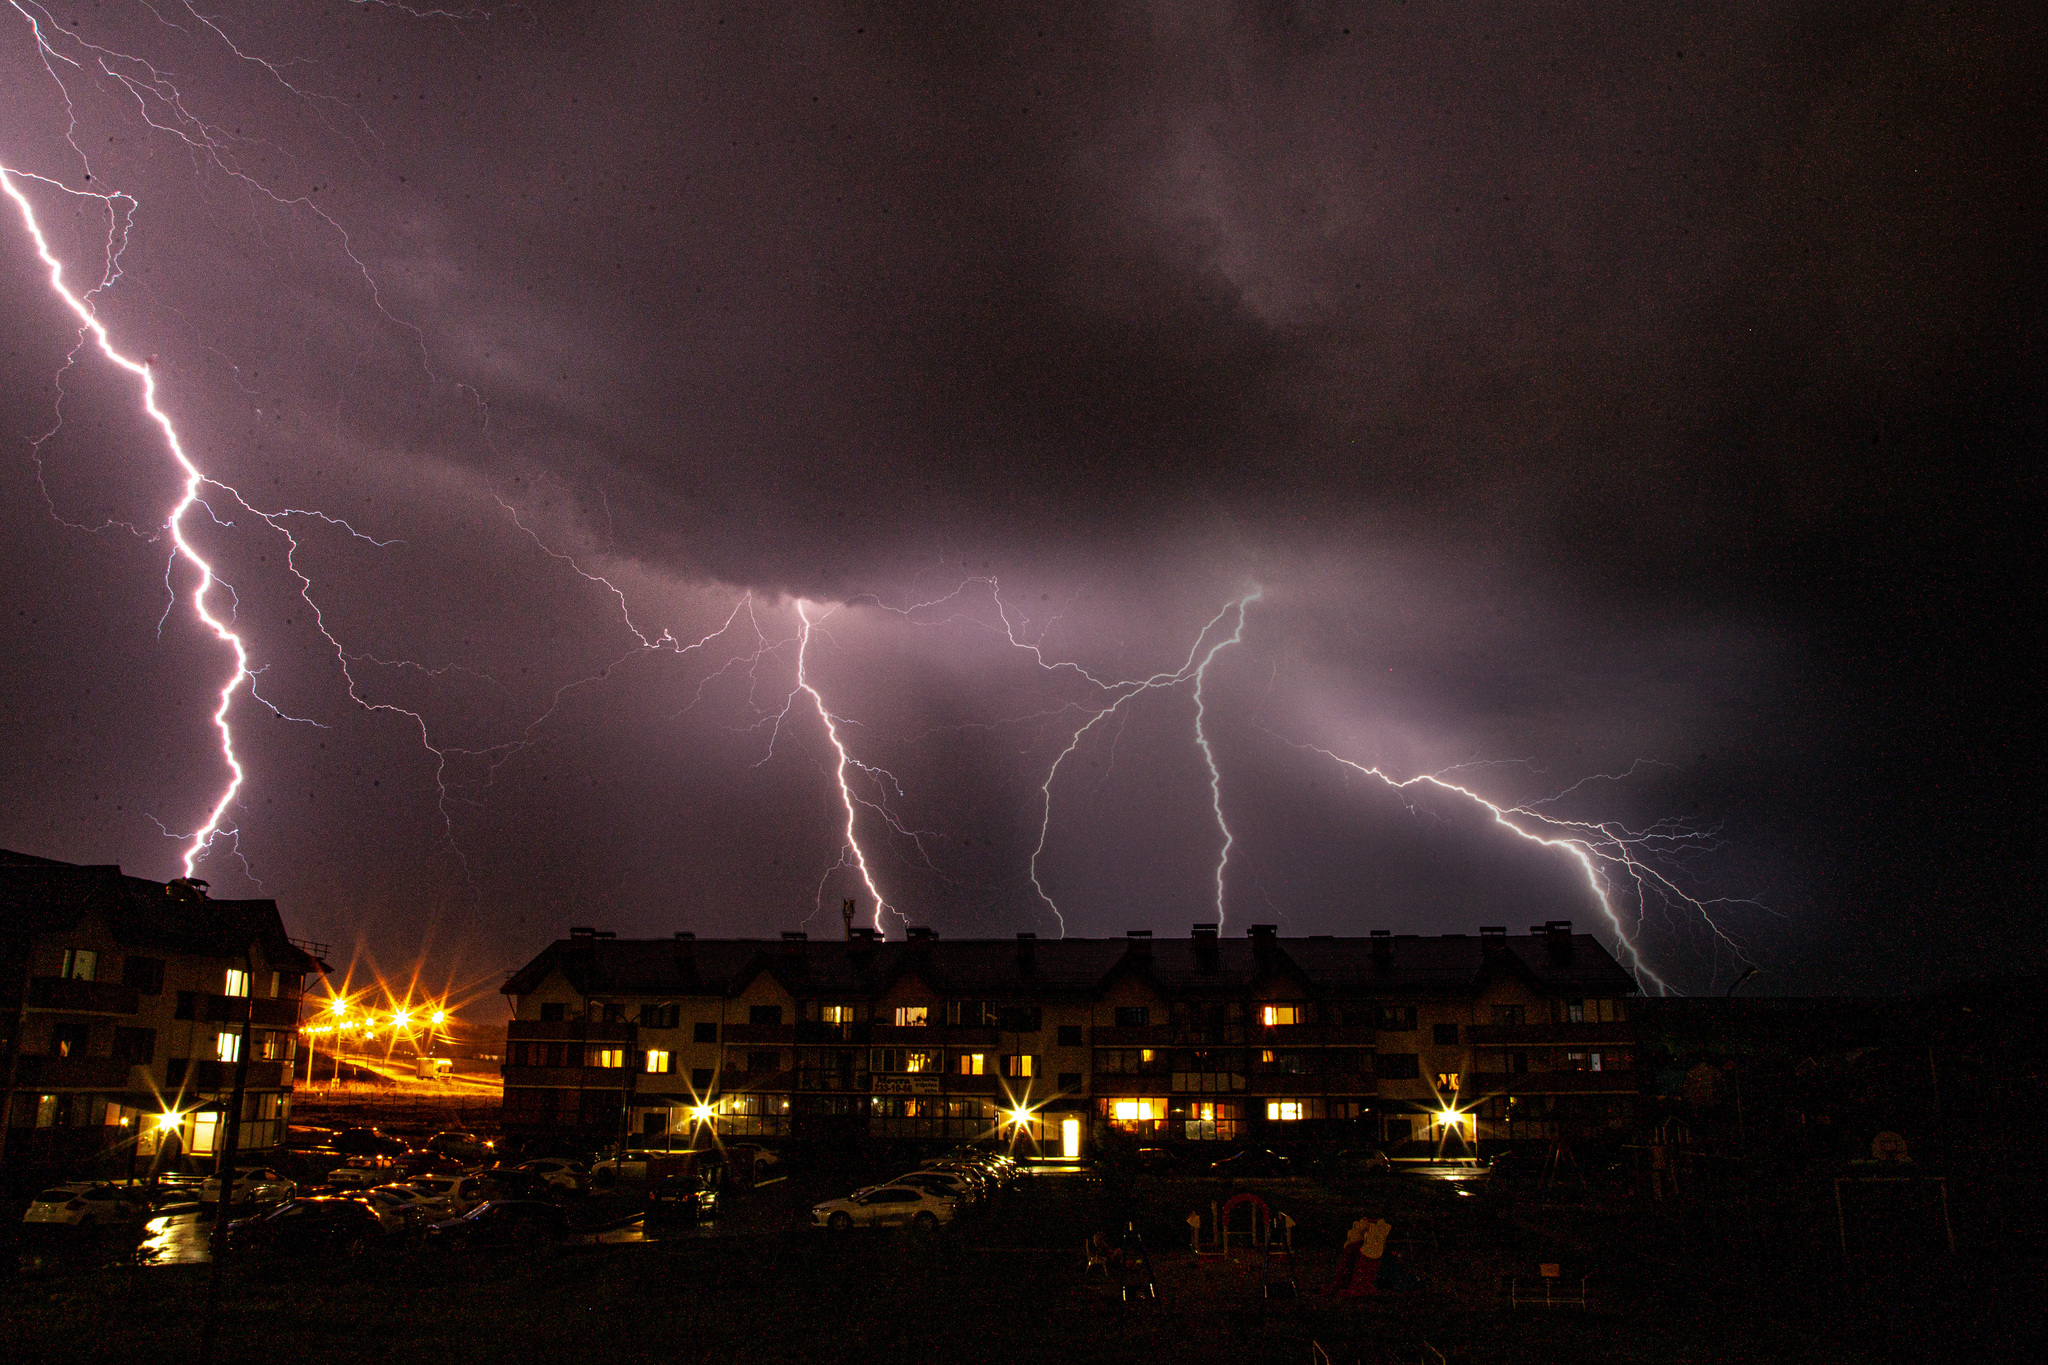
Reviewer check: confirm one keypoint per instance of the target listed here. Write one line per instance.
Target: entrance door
(1070, 1138)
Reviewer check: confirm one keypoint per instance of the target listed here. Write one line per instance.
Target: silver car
(884, 1206)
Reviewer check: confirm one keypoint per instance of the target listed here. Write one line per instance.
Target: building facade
(124, 1003)
(1384, 1039)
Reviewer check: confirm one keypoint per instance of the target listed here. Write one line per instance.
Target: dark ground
(1703, 1279)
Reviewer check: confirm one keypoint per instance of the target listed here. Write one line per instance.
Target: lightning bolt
(831, 723)
(1236, 636)
(1603, 851)
(194, 480)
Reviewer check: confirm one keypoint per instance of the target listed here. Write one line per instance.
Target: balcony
(207, 1075)
(569, 1031)
(548, 1077)
(1552, 1083)
(816, 1032)
(72, 1073)
(1141, 1035)
(973, 1085)
(81, 997)
(1550, 1035)
(741, 1034)
(1114, 1085)
(915, 1036)
(208, 1008)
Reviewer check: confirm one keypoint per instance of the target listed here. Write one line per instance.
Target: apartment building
(123, 1003)
(1198, 1039)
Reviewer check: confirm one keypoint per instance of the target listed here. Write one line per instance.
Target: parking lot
(1665, 1283)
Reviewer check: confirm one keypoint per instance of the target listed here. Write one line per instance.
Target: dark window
(1396, 1066)
(700, 1079)
(1507, 1014)
(1021, 1019)
(614, 1012)
(1070, 1035)
(553, 1014)
(188, 1005)
(135, 1044)
(760, 1063)
(1396, 1018)
(658, 1016)
(970, 1013)
(707, 1033)
(144, 975)
(1446, 1033)
(764, 1014)
(1133, 1016)
(1070, 1080)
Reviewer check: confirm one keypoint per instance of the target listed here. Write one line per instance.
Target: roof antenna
(848, 908)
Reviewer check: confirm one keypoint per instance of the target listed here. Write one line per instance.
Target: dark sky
(1585, 392)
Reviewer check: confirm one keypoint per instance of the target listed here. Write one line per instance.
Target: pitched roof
(1073, 967)
(44, 896)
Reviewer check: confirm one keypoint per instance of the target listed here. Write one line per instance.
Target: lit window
(81, 964)
(1146, 1056)
(610, 1057)
(237, 982)
(912, 1016)
(973, 1063)
(1135, 1111)
(657, 1062)
(1274, 1015)
(1448, 1080)
(835, 1014)
(1020, 1066)
(1285, 1111)
(921, 1061)
(227, 1046)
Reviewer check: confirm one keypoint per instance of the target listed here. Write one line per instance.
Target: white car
(434, 1193)
(572, 1175)
(401, 1209)
(884, 1206)
(253, 1185)
(363, 1172)
(948, 1184)
(86, 1203)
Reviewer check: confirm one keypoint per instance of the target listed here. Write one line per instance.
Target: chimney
(1557, 937)
(686, 955)
(1204, 936)
(1265, 938)
(1383, 947)
(1493, 939)
(582, 933)
(794, 942)
(862, 935)
(1027, 954)
(1138, 944)
(921, 934)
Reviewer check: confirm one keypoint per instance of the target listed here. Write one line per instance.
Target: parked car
(1358, 1161)
(402, 1210)
(467, 1148)
(368, 1142)
(951, 1184)
(884, 1206)
(1158, 1160)
(331, 1225)
(364, 1172)
(253, 1185)
(510, 1184)
(435, 1193)
(88, 1204)
(1253, 1161)
(569, 1175)
(522, 1224)
(430, 1162)
(686, 1198)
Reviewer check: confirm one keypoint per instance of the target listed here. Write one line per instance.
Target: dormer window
(81, 964)
(913, 1016)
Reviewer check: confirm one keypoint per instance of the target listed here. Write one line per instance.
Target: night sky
(1623, 393)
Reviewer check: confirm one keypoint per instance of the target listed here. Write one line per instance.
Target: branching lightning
(1621, 866)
